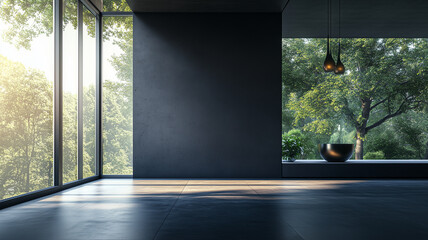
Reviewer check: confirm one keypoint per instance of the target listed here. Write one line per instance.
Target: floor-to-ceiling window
(88, 92)
(117, 89)
(26, 96)
(70, 91)
(79, 91)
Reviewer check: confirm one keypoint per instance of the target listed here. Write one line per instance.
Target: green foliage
(117, 129)
(389, 143)
(292, 145)
(69, 137)
(405, 137)
(116, 6)
(307, 143)
(26, 104)
(27, 20)
(412, 132)
(374, 155)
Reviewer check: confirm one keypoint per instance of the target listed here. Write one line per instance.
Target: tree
(384, 79)
(26, 104)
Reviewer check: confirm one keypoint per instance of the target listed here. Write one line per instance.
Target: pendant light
(329, 64)
(340, 68)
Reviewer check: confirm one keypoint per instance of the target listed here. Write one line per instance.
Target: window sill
(356, 169)
(398, 161)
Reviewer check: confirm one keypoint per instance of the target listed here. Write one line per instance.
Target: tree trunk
(359, 148)
(27, 170)
(361, 128)
(27, 181)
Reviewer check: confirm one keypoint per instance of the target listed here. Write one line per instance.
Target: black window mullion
(99, 137)
(80, 91)
(58, 101)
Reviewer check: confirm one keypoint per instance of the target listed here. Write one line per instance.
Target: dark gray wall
(207, 95)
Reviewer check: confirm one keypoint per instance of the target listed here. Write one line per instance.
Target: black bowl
(336, 152)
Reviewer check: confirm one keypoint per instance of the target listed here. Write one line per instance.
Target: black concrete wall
(207, 95)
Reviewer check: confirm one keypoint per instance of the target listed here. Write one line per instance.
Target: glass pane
(117, 95)
(378, 103)
(26, 96)
(70, 86)
(116, 6)
(89, 93)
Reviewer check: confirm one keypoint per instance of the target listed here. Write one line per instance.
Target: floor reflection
(225, 209)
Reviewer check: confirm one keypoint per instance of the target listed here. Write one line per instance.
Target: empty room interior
(213, 119)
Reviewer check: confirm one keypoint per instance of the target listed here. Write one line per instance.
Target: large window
(89, 93)
(48, 90)
(117, 95)
(379, 104)
(26, 96)
(51, 95)
(70, 90)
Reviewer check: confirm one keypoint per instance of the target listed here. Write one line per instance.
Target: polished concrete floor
(225, 209)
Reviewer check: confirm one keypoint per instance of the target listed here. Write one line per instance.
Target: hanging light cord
(340, 68)
(339, 26)
(329, 17)
(328, 25)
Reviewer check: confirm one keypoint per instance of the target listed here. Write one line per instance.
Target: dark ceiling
(359, 18)
(206, 5)
(308, 18)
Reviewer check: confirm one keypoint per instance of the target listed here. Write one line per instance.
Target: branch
(387, 99)
(403, 83)
(398, 112)
(383, 120)
(377, 104)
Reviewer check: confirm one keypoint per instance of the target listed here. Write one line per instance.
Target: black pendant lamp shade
(340, 68)
(329, 64)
